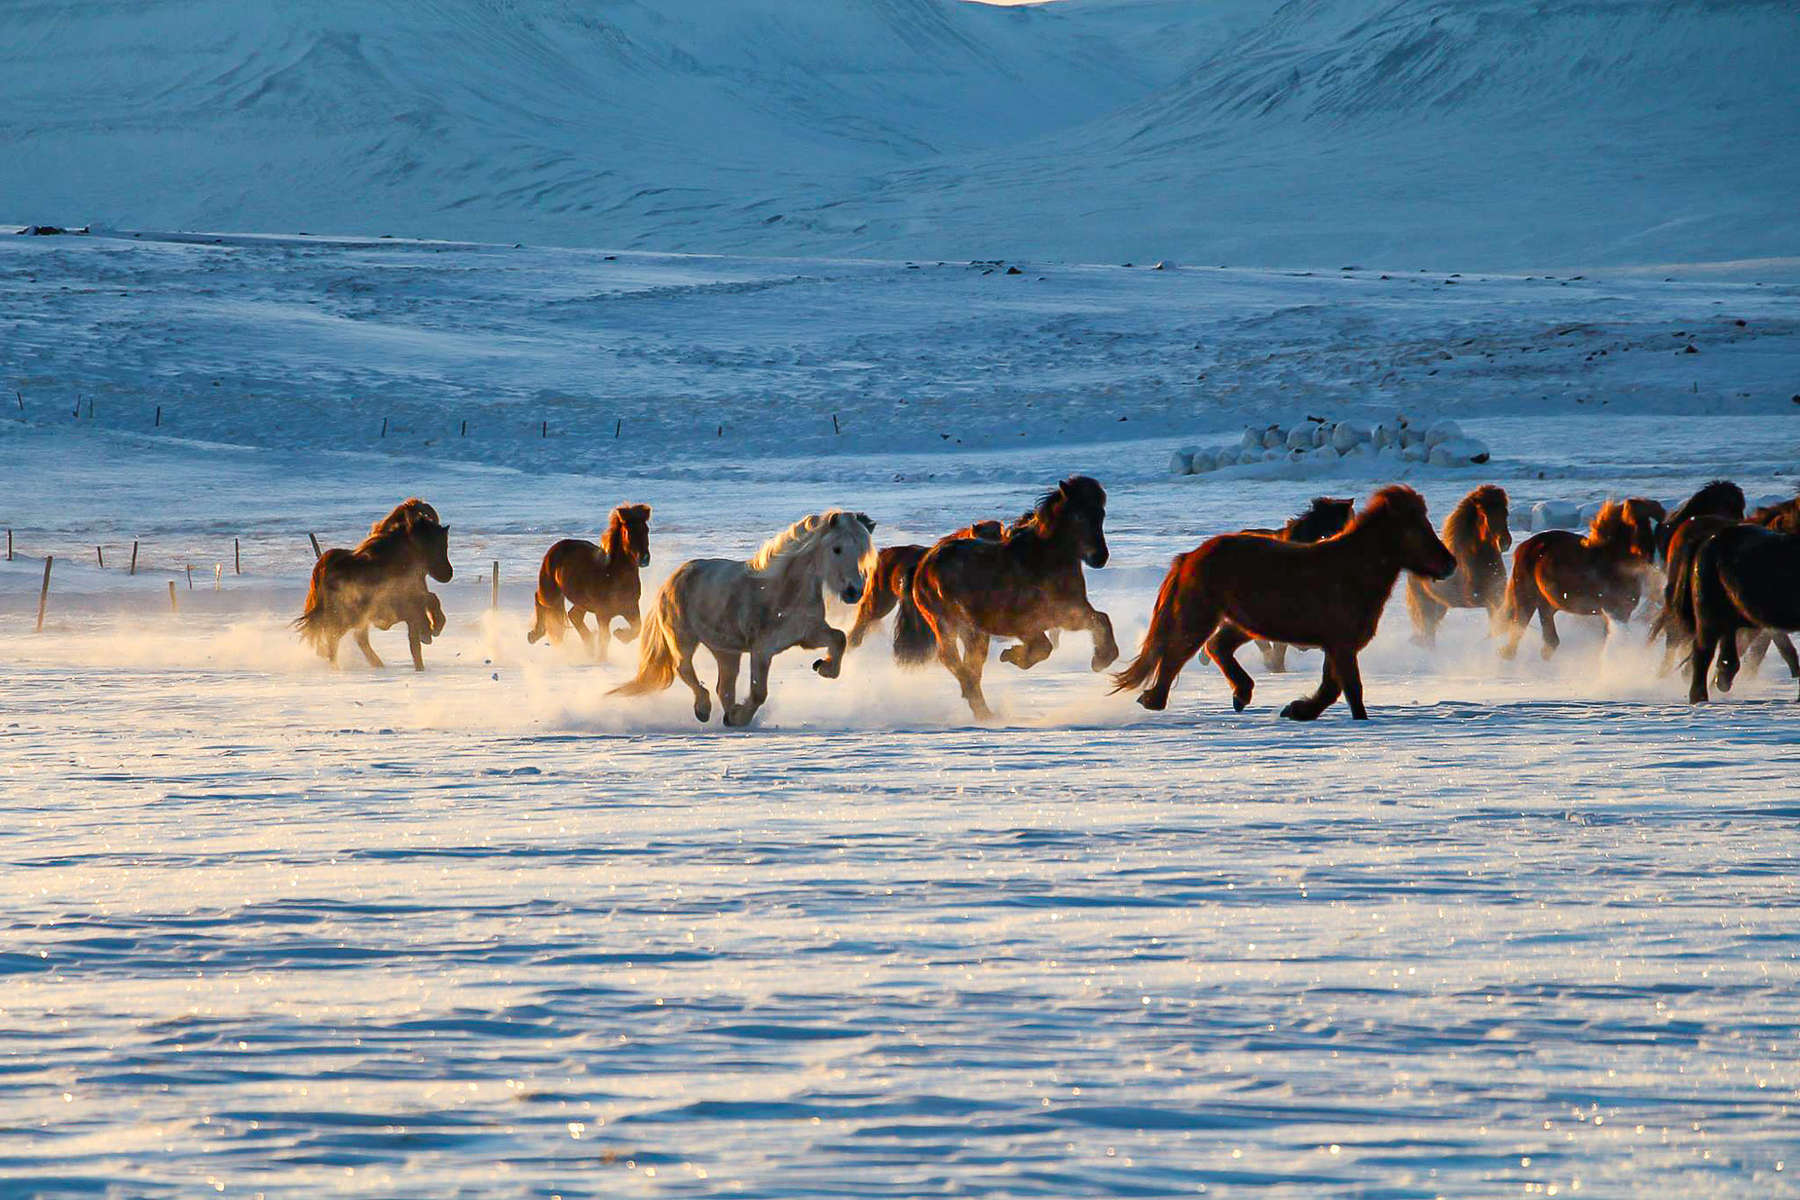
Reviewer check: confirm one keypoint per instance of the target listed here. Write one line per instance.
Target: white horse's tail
(656, 650)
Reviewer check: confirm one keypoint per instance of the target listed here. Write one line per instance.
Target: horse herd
(1731, 588)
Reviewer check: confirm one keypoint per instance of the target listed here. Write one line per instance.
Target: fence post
(314, 539)
(133, 570)
(173, 606)
(44, 593)
(237, 558)
(496, 600)
(100, 558)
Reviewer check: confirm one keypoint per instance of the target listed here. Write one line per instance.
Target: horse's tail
(915, 641)
(656, 650)
(1677, 619)
(548, 603)
(1159, 637)
(311, 623)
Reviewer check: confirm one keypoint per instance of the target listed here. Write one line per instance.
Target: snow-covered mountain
(1482, 133)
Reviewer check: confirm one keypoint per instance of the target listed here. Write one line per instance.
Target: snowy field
(484, 931)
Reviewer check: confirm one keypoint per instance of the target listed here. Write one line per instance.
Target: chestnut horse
(1743, 577)
(967, 590)
(601, 579)
(1599, 574)
(381, 583)
(1329, 594)
(1325, 517)
(893, 567)
(1477, 533)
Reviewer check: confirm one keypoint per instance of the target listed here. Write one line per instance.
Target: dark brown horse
(1743, 577)
(601, 579)
(1676, 621)
(381, 583)
(1477, 533)
(967, 590)
(1599, 574)
(894, 565)
(1720, 498)
(1328, 594)
(1326, 516)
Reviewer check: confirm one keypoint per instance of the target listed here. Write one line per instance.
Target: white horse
(760, 607)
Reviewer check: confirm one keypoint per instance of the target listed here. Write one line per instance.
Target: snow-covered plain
(484, 931)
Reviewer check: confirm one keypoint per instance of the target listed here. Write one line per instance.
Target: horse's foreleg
(833, 643)
(1426, 610)
(684, 671)
(740, 714)
(728, 677)
(1222, 648)
(877, 603)
(413, 642)
(1699, 660)
(633, 625)
(1029, 652)
(1106, 647)
(1784, 646)
(1728, 660)
(362, 643)
(1330, 688)
(1756, 649)
(968, 675)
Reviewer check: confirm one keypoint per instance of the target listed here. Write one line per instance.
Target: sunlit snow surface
(484, 931)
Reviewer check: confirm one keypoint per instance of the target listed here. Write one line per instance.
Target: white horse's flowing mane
(803, 535)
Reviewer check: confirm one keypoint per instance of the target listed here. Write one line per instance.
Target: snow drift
(1479, 133)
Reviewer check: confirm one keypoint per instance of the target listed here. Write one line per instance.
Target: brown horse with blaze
(966, 591)
(894, 566)
(1328, 594)
(601, 579)
(1599, 574)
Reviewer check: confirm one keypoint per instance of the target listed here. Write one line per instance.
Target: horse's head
(987, 531)
(1079, 505)
(1628, 528)
(434, 540)
(1327, 516)
(633, 524)
(848, 553)
(1420, 549)
(1491, 509)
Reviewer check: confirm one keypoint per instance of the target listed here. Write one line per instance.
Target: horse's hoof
(1546, 653)
(1153, 702)
(738, 715)
(826, 667)
(1012, 655)
(1239, 702)
(1103, 661)
(626, 635)
(1295, 710)
(703, 711)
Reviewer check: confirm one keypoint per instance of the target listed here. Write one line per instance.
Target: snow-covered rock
(1181, 462)
(1458, 452)
(1414, 453)
(1440, 432)
(1347, 435)
(1274, 438)
(1554, 514)
(1300, 437)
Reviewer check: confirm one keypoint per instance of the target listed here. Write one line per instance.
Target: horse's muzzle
(644, 559)
(851, 594)
(1097, 559)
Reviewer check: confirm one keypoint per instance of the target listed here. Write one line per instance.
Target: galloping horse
(760, 608)
(893, 567)
(1676, 620)
(1325, 517)
(1743, 577)
(1477, 533)
(1600, 574)
(967, 590)
(381, 583)
(1328, 594)
(601, 579)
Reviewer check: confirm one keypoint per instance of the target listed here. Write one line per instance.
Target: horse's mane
(1721, 498)
(1613, 523)
(1462, 528)
(1394, 500)
(1325, 516)
(407, 513)
(1077, 490)
(803, 535)
(1780, 517)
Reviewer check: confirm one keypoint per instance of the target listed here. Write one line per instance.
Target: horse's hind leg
(877, 603)
(1756, 649)
(1547, 622)
(1029, 652)
(966, 667)
(1222, 648)
(1330, 688)
(362, 643)
(1426, 611)
(595, 645)
(728, 677)
(741, 714)
(1784, 646)
(1699, 660)
(1728, 660)
(684, 671)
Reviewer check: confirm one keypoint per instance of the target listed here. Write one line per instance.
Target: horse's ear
(868, 522)
(642, 511)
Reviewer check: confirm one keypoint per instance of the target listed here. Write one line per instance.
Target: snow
(1458, 134)
(485, 931)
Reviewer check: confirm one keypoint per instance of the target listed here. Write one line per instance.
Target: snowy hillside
(1467, 133)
